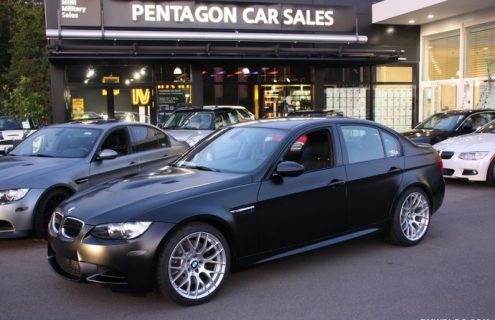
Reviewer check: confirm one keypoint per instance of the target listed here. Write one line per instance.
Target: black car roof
(464, 112)
(295, 123)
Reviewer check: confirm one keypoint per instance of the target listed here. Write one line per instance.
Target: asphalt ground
(450, 275)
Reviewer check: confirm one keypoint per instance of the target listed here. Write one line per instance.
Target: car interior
(117, 141)
(315, 152)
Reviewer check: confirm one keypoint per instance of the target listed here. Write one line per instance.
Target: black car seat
(316, 153)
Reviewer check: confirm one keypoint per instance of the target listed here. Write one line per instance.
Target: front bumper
(16, 218)
(472, 170)
(109, 262)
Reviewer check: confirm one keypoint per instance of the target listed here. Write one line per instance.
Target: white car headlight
(475, 155)
(12, 195)
(120, 231)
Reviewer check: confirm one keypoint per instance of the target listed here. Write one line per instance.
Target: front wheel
(411, 218)
(193, 264)
(45, 208)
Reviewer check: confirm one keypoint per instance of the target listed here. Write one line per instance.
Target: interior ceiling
(443, 10)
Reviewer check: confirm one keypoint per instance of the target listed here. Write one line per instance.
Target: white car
(470, 156)
(13, 131)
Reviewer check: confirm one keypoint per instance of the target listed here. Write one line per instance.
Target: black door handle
(394, 170)
(132, 163)
(335, 183)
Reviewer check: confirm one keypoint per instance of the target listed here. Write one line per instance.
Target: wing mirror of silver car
(107, 154)
(289, 169)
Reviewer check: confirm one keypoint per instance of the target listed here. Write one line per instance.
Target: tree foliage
(26, 84)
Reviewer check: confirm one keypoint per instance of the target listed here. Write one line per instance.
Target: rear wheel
(411, 218)
(193, 264)
(45, 208)
(490, 175)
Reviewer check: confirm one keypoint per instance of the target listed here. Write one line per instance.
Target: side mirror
(107, 154)
(289, 169)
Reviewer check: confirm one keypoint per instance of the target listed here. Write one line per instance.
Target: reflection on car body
(246, 195)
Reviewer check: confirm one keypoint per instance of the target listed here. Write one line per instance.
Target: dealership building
(386, 62)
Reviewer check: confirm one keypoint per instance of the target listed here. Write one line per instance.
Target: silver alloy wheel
(414, 216)
(197, 265)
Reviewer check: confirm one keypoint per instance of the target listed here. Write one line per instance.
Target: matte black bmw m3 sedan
(247, 194)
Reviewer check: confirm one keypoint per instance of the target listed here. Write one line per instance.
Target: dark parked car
(441, 126)
(245, 195)
(59, 160)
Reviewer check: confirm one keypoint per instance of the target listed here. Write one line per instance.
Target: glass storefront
(441, 57)
(137, 92)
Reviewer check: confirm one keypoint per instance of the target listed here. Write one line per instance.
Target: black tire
(188, 270)
(490, 175)
(45, 208)
(407, 237)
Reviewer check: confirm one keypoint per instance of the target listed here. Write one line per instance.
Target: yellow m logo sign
(141, 97)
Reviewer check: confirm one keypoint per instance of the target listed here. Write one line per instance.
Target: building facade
(457, 50)
(145, 59)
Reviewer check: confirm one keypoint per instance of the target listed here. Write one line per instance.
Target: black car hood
(30, 172)
(425, 135)
(131, 199)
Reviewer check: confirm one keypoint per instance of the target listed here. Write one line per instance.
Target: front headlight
(120, 231)
(475, 155)
(12, 195)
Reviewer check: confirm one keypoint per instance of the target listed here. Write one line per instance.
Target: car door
(152, 146)
(374, 172)
(311, 206)
(124, 165)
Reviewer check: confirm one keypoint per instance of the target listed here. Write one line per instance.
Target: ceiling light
(177, 71)
(390, 30)
(142, 71)
(127, 81)
(90, 73)
(246, 71)
(137, 75)
(485, 48)
(411, 21)
(86, 81)
(430, 16)
(288, 80)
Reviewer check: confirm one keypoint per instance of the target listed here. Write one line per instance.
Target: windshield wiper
(203, 168)
(42, 155)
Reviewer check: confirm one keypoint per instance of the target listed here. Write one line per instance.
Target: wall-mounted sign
(141, 97)
(209, 15)
(110, 79)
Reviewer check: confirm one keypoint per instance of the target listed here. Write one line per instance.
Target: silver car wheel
(414, 216)
(197, 265)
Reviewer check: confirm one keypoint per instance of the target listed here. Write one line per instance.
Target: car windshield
(488, 128)
(58, 143)
(237, 150)
(441, 121)
(190, 120)
(10, 124)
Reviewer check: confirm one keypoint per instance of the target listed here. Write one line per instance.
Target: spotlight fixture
(412, 21)
(127, 82)
(246, 71)
(90, 73)
(177, 71)
(86, 81)
(431, 16)
(137, 75)
(142, 71)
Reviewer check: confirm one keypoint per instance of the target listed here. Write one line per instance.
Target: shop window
(347, 75)
(448, 97)
(394, 74)
(393, 106)
(172, 73)
(441, 57)
(480, 55)
(351, 101)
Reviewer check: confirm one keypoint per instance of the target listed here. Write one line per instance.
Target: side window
(117, 141)
(313, 150)
(362, 143)
(480, 119)
(391, 144)
(232, 117)
(219, 121)
(145, 138)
